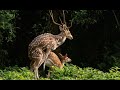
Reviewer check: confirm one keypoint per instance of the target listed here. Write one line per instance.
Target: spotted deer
(46, 43)
(54, 60)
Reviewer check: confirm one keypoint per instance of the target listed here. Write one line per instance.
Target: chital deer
(47, 42)
(54, 60)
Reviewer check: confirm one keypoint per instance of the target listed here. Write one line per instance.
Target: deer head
(64, 58)
(63, 26)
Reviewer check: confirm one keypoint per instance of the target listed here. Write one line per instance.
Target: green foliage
(111, 57)
(69, 72)
(16, 73)
(6, 23)
(86, 16)
(73, 72)
(7, 33)
(33, 23)
(42, 25)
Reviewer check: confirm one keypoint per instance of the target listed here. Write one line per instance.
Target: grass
(69, 72)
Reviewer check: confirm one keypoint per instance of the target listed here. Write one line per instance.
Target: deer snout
(70, 37)
(69, 60)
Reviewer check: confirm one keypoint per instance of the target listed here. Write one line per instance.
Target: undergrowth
(69, 72)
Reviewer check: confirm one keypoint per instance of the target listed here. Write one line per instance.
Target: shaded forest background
(96, 35)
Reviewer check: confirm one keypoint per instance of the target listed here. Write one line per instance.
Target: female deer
(54, 60)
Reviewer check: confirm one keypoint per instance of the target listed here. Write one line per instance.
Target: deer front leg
(46, 56)
(34, 67)
(44, 66)
(48, 75)
(31, 65)
(47, 53)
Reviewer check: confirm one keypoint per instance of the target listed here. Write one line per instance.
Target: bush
(69, 72)
(16, 73)
(73, 72)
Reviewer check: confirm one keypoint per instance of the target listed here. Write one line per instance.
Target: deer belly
(49, 63)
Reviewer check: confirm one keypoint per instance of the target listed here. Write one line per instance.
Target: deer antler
(60, 20)
(65, 21)
(51, 14)
(64, 17)
(71, 24)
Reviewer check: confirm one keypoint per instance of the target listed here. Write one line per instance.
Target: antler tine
(71, 24)
(60, 20)
(64, 17)
(51, 14)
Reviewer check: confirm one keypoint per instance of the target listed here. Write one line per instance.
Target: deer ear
(66, 55)
(60, 55)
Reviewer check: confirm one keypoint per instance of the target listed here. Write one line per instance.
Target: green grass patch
(69, 72)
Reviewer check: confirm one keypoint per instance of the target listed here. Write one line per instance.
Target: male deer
(54, 60)
(47, 42)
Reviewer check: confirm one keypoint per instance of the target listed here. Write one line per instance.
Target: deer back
(42, 42)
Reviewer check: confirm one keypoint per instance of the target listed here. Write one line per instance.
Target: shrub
(73, 72)
(16, 73)
(69, 72)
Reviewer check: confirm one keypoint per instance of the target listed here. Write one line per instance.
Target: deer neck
(61, 38)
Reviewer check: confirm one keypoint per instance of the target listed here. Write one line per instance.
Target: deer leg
(48, 75)
(37, 60)
(35, 65)
(34, 68)
(44, 66)
(47, 53)
(31, 65)
(36, 73)
(45, 58)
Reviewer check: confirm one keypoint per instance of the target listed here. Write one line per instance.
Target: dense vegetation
(69, 72)
(96, 42)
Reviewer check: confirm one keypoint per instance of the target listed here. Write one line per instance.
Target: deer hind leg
(34, 68)
(31, 65)
(37, 60)
(35, 64)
